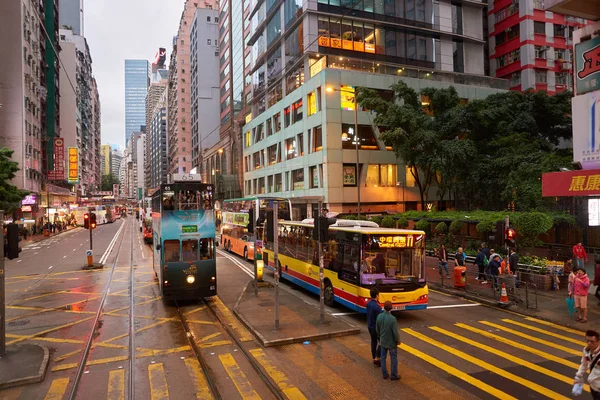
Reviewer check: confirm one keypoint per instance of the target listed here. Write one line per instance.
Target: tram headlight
(190, 279)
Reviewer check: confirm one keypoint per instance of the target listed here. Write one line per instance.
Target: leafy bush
(530, 225)
(422, 225)
(485, 226)
(402, 222)
(388, 222)
(350, 217)
(377, 220)
(456, 226)
(441, 228)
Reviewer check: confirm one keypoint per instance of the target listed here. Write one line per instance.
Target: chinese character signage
(73, 165)
(349, 175)
(593, 214)
(571, 183)
(395, 241)
(586, 129)
(587, 64)
(116, 189)
(58, 174)
(29, 200)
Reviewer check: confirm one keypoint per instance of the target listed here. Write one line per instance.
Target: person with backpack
(589, 361)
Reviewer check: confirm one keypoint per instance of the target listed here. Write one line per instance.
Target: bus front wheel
(329, 299)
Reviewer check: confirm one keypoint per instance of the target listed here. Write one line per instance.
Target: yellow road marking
(290, 391)
(232, 321)
(195, 310)
(510, 342)
(238, 377)
(150, 352)
(89, 363)
(46, 339)
(49, 330)
(57, 389)
(556, 326)
(545, 332)
(457, 373)
(62, 308)
(158, 382)
(48, 309)
(98, 344)
(214, 344)
(533, 338)
(116, 385)
(492, 368)
(198, 322)
(202, 389)
(208, 337)
(545, 371)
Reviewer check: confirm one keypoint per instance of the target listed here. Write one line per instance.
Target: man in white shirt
(589, 361)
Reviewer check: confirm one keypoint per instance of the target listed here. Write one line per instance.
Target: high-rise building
(115, 163)
(530, 47)
(179, 104)
(105, 159)
(137, 80)
(80, 105)
(140, 160)
(71, 15)
(204, 61)
(300, 139)
(50, 71)
(158, 82)
(158, 161)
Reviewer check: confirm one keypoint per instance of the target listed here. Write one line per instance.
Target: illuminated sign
(73, 164)
(347, 97)
(593, 212)
(587, 63)
(189, 229)
(29, 200)
(58, 174)
(395, 241)
(26, 209)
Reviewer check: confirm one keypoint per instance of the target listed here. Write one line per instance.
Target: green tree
(10, 195)
(108, 181)
(529, 226)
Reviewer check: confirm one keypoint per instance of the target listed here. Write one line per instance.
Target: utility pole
(321, 265)
(255, 234)
(275, 259)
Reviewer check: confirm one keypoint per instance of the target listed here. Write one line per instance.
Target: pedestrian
(571, 281)
(579, 255)
(589, 360)
(494, 267)
(581, 287)
(597, 280)
(459, 258)
(513, 261)
(373, 311)
(479, 261)
(443, 258)
(485, 250)
(389, 340)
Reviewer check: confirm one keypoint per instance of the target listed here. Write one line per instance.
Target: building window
(272, 154)
(559, 54)
(248, 139)
(313, 173)
(366, 137)
(514, 56)
(540, 52)
(257, 161)
(301, 144)
(208, 18)
(298, 179)
(261, 186)
(260, 133)
(277, 122)
(297, 111)
(561, 78)
(539, 27)
(458, 56)
(347, 98)
(269, 127)
(457, 23)
(286, 117)
(541, 77)
(317, 139)
(278, 183)
(381, 175)
(513, 32)
(291, 148)
(208, 41)
(515, 79)
(312, 103)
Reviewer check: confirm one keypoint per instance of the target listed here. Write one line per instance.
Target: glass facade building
(137, 80)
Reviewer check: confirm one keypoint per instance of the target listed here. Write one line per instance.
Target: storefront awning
(571, 183)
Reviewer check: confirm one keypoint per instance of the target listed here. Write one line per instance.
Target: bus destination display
(189, 229)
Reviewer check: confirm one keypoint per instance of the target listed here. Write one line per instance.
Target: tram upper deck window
(168, 201)
(171, 250)
(188, 200)
(206, 249)
(190, 250)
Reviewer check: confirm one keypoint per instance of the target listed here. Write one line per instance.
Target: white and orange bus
(235, 215)
(358, 256)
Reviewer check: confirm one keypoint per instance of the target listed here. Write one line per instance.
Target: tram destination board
(189, 229)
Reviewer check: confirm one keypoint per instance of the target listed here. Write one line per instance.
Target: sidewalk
(551, 304)
(40, 236)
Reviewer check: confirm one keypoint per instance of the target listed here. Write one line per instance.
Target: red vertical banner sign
(58, 174)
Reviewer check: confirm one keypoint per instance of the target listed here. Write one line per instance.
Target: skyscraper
(137, 80)
(71, 15)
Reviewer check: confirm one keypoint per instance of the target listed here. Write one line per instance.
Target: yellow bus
(358, 256)
(235, 237)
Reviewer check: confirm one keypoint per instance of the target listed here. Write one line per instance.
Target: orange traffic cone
(504, 296)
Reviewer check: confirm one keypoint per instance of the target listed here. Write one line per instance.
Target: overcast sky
(122, 29)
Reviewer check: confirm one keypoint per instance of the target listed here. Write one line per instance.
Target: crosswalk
(505, 359)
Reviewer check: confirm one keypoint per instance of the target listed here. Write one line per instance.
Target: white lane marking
(74, 249)
(50, 267)
(337, 314)
(236, 262)
(35, 253)
(19, 261)
(111, 245)
(454, 306)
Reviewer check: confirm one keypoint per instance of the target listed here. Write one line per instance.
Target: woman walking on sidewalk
(581, 287)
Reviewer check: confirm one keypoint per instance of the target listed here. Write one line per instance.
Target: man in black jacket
(480, 264)
(494, 267)
(513, 261)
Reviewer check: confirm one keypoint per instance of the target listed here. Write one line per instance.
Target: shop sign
(587, 62)
(30, 199)
(571, 183)
(73, 164)
(26, 209)
(58, 174)
(349, 175)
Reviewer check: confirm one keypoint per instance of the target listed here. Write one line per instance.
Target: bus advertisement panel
(358, 257)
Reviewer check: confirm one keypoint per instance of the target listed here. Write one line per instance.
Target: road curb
(33, 378)
(51, 236)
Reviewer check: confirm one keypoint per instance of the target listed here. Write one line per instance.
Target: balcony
(588, 9)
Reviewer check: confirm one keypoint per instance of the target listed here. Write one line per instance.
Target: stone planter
(543, 282)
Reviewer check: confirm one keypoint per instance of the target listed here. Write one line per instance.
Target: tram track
(208, 372)
(97, 323)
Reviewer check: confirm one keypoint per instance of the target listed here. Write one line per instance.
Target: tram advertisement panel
(201, 223)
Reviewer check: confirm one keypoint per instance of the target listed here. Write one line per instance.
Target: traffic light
(511, 236)
(250, 225)
(12, 240)
(86, 221)
(92, 221)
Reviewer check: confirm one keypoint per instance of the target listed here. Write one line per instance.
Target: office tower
(531, 48)
(179, 104)
(158, 82)
(204, 59)
(299, 138)
(137, 80)
(157, 149)
(71, 15)
(106, 163)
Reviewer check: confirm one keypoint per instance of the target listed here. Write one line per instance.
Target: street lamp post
(356, 142)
